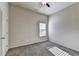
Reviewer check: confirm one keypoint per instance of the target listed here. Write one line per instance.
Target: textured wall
(23, 26)
(64, 27)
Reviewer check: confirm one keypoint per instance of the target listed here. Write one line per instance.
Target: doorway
(0, 33)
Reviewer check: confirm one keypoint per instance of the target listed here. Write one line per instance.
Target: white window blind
(42, 29)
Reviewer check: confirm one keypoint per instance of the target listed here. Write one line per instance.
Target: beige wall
(4, 9)
(64, 27)
(23, 26)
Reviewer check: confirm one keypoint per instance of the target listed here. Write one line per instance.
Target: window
(42, 29)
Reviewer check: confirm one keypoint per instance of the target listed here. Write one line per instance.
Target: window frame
(39, 28)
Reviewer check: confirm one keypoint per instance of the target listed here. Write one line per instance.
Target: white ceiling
(55, 6)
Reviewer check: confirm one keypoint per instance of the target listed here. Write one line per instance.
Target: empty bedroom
(39, 29)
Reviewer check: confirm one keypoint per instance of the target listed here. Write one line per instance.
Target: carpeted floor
(38, 49)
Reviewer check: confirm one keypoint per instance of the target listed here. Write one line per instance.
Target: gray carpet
(38, 49)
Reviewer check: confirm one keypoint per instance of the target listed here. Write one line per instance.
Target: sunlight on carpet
(58, 52)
